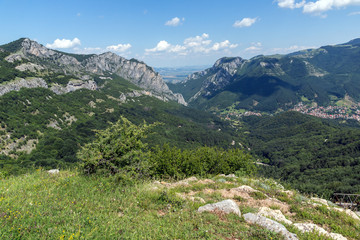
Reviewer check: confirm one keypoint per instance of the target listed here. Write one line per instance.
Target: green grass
(73, 206)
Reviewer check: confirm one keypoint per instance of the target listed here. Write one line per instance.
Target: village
(330, 112)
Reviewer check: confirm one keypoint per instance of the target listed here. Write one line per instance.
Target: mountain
(34, 56)
(51, 103)
(320, 76)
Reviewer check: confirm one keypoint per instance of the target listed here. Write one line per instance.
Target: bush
(175, 163)
(117, 150)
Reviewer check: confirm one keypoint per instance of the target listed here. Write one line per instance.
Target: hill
(312, 154)
(322, 77)
(68, 205)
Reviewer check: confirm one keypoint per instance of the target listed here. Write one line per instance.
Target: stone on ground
(270, 225)
(226, 206)
(275, 214)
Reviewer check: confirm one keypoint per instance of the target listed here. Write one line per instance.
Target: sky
(173, 33)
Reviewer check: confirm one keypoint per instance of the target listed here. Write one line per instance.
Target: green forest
(311, 154)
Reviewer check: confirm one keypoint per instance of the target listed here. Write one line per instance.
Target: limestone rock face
(74, 85)
(218, 76)
(226, 206)
(270, 225)
(16, 85)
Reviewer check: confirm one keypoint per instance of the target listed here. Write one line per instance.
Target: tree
(118, 150)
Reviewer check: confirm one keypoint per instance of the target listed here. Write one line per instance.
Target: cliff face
(79, 65)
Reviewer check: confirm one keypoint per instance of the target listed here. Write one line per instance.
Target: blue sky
(181, 32)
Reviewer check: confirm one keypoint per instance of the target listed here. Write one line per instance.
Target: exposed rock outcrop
(74, 85)
(270, 225)
(310, 227)
(226, 206)
(16, 85)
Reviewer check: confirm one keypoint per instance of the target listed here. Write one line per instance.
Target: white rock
(320, 200)
(245, 188)
(54, 171)
(347, 211)
(275, 214)
(226, 206)
(310, 227)
(270, 225)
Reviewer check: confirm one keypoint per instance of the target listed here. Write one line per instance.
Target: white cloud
(64, 43)
(119, 47)
(245, 22)
(290, 4)
(197, 44)
(354, 13)
(175, 22)
(161, 46)
(255, 47)
(317, 7)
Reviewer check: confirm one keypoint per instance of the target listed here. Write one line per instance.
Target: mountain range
(52, 103)
(274, 83)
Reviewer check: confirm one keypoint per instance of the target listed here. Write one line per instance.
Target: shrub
(117, 150)
(176, 163)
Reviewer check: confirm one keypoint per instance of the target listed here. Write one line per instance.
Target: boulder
(226, 206)
(310, 227)
(54, 171)
(274, 214)
(270, 225)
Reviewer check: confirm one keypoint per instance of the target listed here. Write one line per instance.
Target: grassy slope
(72, 206)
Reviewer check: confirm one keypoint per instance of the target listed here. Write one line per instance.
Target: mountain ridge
(133, 70)
(277, 82)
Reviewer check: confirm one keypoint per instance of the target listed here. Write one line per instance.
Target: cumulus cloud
(317, 7)
(119, 47)
(161, 46)
(290, 4)
(245, 22)
(64, 43)
(197, 44)
(255, 47)
(175, 22)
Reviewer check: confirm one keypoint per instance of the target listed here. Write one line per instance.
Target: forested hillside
(313, 155)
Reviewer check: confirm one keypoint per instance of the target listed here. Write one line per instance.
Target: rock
(310, 227)
(226, 206)
(320, 200)
(231, 176)
(270, 225)
(16, 85)
(347, 211)
(275, 214)
(54, 171)
(74, 85)
(29, 67)
(245, 188)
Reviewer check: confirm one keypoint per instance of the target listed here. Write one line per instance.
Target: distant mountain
(270, 83)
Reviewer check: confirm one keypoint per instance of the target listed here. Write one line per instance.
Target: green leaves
(118, 149)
